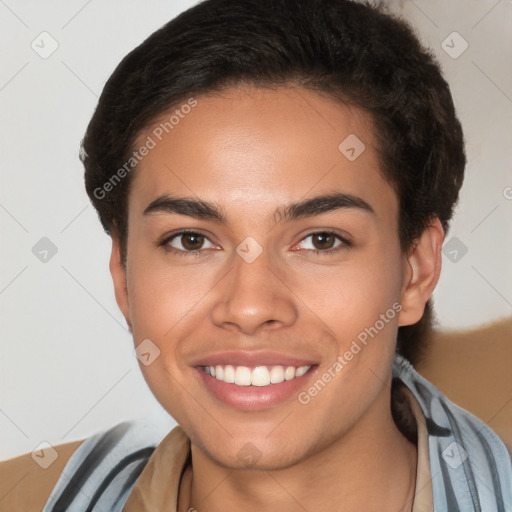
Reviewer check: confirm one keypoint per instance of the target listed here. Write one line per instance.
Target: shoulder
(99, 470)
(104, 469)
(472, 368)
(470, 466)
(27, 481)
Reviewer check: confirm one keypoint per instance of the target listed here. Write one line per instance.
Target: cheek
(351, 297)
(162, 298)
(166, 306)
(160, 293)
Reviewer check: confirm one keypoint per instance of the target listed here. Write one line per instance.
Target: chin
(254, 452)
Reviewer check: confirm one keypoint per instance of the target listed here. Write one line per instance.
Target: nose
(253, 297)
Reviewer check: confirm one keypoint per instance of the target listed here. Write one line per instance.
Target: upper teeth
(259, 376)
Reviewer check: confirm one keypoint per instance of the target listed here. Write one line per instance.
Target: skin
(249, 152)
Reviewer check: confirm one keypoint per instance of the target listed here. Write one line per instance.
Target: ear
(119, 278)
(422, 270)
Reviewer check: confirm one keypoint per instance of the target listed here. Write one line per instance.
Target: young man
(277, 177)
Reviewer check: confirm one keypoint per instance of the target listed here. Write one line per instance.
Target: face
(262, 251)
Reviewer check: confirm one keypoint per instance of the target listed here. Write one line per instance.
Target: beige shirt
(25, 486)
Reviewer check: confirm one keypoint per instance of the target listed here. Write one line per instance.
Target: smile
(254, 388)
(258, 376)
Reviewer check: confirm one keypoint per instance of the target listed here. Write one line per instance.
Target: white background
(66, 364)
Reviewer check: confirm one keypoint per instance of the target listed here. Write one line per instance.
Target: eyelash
(168, 249)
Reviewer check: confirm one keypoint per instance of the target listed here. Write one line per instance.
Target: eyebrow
(209, 211)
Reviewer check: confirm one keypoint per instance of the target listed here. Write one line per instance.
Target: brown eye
(188, 241)
(323, 241)
(192, 241)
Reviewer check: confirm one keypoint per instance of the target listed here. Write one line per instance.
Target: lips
(252, 359)
(253, 381)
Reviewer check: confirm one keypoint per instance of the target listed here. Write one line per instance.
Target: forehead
(254, 148)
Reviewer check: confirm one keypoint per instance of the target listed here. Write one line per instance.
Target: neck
(370, 467)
